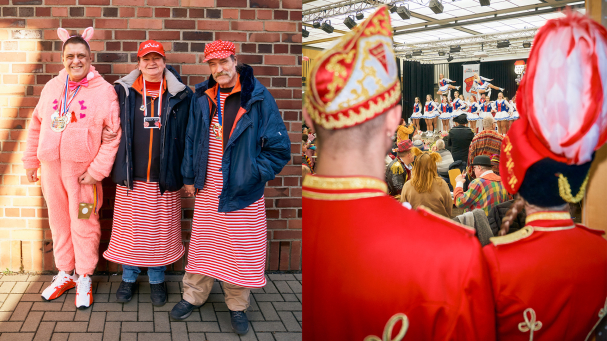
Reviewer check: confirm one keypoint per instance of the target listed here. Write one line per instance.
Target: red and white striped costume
(228, 246)
(147, 226)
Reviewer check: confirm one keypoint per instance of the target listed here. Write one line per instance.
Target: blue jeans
(155, 273)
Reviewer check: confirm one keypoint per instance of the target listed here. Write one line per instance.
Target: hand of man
(108, 135)
(189, 190)
(32, 174)
(86, 179)
(460, 178)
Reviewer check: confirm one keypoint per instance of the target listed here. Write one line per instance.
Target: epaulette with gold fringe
(397, 168)
(512, 237)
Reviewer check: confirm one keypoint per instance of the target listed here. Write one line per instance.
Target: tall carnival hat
(562, 101)
(357, 79)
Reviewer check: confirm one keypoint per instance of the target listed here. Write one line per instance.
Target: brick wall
(267, 34)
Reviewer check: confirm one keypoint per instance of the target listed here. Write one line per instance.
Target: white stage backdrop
(469, 85)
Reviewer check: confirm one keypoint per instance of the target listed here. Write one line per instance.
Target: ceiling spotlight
(393, 9)
(360, 16)
(485, 2)
(441, 53)
(403, 12)
(408, 56)
(326, 26)
(503, 43)
(436, 6)
(349, 22)
(305, 33)
(316, 24)
(417, 53)
(454, 49)
(449, 58)
(526, 44)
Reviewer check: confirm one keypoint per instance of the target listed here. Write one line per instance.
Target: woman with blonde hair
(426, 187)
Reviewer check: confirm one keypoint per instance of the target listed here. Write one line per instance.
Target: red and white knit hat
(218, 49)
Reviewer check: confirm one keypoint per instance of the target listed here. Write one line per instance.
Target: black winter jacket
(459, 141)
(172, 131)
(497, 214)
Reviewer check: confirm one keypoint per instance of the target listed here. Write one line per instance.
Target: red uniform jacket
(550, 278)
(368, 258)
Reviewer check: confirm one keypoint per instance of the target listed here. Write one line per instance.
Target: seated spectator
(426, 187)
(399, 170)
(419, 144)
(483, 192)
(459, 138)
(487, 142)
(446, 158)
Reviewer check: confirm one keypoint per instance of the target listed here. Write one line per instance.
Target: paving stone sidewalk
(275, 312)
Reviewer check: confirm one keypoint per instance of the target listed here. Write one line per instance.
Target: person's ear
(393, 117)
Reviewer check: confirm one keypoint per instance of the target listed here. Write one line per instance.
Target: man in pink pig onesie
(64, 140)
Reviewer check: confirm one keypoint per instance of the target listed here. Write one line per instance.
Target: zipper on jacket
(128, 182)
(164, 133)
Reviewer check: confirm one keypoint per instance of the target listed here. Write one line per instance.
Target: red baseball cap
(218, 49)
(150, 46)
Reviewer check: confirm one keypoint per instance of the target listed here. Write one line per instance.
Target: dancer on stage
(513, 112)
(483, 85)
(472, 112)
(485, 106)
(443, 85)
(502, 108)
(458, 104)
(446, 113)
(417, 113)
(430, 114)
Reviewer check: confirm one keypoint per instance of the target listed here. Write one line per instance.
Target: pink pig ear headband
(64, 35)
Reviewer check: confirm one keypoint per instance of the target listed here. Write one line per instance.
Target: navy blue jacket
(257, 150)
(172, 131)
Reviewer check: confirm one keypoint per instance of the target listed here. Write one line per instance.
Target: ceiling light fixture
(326, 26)
(526, 44)
(316, 24)
(305, 33)
(360, 16)
(403, 12)
(349, 22)
(453, 49)
(436, 6)
(503, 43)
(485, 2)
(417, 53)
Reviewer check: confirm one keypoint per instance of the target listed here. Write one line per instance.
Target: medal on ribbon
(217, 127)
(60, 119)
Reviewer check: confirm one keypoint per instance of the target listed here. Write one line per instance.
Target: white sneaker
(61, 283)
(84, 292)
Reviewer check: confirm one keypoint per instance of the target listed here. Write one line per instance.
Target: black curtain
(502, 73)
(418, 81)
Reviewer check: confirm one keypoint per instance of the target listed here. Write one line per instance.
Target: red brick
(162, 12)
(264, 37)
(200, 69)
(287, 234)
(180, 24)
(295, 255)
(12, 56)
(281, 15)
(102, 34)
(285, 250)
(127, 12)
(27, 68)
(112, 23)
(154, 24)
(93, 11)
(128, 2)
(165, 3)
(247, 26)
(130, 35)
(247, 14)
(267, 70)
(277, 224)
(282, 93)
(264, 14)
(274, 250)
(59, 11)
(292, 4)
(43, 11)
(265, 3)
(229, 13)
(291, 202)
(59, 2)
(198, 3)
(280, 26)
(94, 2)
(214, 25)
(280, 60)
(65, 23)
(295, 15)
(232, 3)
(164, 35)
(144, 12)
(231, 36)
(291, 38)
(181, 58)
(41, 23)
(290, 71)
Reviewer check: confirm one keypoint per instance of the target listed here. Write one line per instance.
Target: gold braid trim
(565, 189)
(387, 336)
